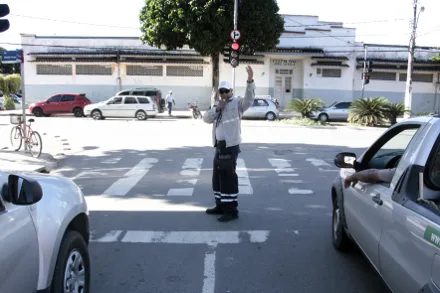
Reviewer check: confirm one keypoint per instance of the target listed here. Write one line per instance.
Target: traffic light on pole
(235, 54)
(4, 23)
(367, 78)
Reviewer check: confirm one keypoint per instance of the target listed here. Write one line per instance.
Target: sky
(99, 18)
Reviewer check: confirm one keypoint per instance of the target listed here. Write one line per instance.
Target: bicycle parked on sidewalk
(32, 139)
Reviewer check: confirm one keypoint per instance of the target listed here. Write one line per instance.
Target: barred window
(379, 75)
(145, 70)
(58, 69)
(327, 72)
(418, 77)
(184, 70)
(94, 69)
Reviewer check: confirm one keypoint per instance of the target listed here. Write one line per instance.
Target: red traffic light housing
(234, 55)
(367, 79)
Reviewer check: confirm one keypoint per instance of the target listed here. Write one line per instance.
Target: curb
(315, 127)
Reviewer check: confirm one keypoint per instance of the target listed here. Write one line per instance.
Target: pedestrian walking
(170, 100)
(226, 116)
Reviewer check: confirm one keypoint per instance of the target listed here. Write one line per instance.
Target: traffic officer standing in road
(170, 100)
(225, 116)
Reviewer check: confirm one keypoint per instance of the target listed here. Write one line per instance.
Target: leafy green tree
(204, 25)
(304, 106)
(8, 85)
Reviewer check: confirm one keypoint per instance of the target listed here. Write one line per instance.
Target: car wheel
(78, 112)
(323, 117)
(340, 239)
(141, 115)
(72, 269)
(38, 112)
(270, 116)
(96, 114)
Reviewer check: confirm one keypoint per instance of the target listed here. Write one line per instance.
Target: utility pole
(23, 95)
(235, 28)
(364, 72)
(412, 44)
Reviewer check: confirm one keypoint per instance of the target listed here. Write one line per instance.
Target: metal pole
(408, 89)
(364, 73)
(23, 97)
(235, 27)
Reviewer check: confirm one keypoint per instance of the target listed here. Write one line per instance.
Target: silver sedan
(263, 108)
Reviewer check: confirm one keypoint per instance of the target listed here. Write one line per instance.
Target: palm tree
(304, 106)
(368, 111)
(392, 111)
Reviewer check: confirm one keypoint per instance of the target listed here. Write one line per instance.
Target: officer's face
(225, 93)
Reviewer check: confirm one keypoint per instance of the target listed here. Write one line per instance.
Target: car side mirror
(21, 190)
(345, 160)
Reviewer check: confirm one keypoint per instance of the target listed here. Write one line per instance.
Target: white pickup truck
(44, 234)
(396, 224)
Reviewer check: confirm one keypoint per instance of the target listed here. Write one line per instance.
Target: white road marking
(138, 204)
(111, 161)
(89, 175)
(300, 191)
(284, 170)
(186, 237)
(191, 168)
(180, 192)
(318, 162)
(131, 178)
(288, 175)
(279, 163)
(292, 181)
(244, 184)
(209, 271)
(111, 236)
(325, 170)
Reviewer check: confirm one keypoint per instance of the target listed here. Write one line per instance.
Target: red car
(61, 104)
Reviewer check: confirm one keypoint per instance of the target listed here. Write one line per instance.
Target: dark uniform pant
(170, 107)
(224, 177)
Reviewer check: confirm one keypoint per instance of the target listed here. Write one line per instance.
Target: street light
(412, 44)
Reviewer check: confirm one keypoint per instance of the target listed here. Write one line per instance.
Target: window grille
(58, 69)
(327, 72)
(184, 70)
(145, 70)
(418, 77)
(379, 75)
(94, 69)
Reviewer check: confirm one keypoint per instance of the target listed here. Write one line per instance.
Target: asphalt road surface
(150, 232)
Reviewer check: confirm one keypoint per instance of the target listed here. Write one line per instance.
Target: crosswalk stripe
(244, 184)
(282, 167)
(190, 169)
(131, 178)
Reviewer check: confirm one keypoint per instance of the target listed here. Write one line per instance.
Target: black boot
(217, 210)
(230, 212)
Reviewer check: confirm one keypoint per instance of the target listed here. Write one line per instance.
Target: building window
(59, 69)
(145, 70)
(327, 72)
(378, 75)
(184, 70)
(418, 77)
(284, 71)
(94, 69)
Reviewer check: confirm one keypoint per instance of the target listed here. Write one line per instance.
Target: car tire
(96, 115)
(341, 241)
(72, 262)
(141, 115)
(270, 116)
(78, 112)
(323, 117)
(38, 112)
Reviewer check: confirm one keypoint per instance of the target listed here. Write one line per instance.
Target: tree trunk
(215, 77)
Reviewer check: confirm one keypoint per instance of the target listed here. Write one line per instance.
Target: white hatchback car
(123, 107)
(44, 234)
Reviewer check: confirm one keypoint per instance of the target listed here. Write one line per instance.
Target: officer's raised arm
(249, 96)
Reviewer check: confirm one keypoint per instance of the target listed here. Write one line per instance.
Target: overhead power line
(75, 22)
(358, 22)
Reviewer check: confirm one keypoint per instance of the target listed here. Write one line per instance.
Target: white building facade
(314, 59)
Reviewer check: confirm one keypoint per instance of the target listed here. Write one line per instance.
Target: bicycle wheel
(35, 144)
(16, 138)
